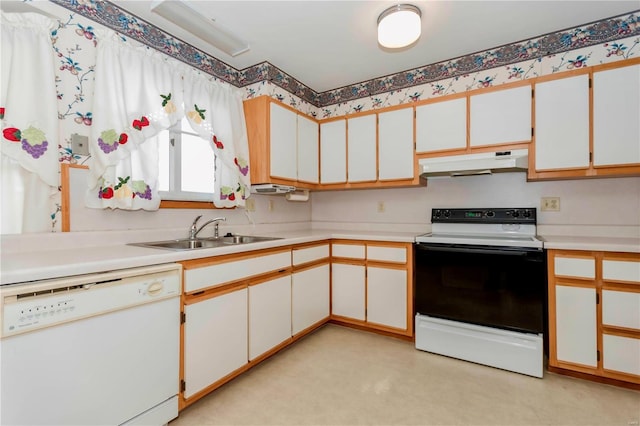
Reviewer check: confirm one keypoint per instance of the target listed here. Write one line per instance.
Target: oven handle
(454, 249)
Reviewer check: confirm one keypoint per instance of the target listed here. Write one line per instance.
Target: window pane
(163, 160)
(198, 173)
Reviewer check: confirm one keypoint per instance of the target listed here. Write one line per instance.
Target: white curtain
(28, 110)
(215, 112)
(138, 93)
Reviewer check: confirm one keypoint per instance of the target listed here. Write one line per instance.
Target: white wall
(614, 201)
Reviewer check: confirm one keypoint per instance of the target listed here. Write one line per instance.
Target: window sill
(170, 204)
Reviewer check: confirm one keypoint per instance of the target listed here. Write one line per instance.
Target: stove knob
(527, 213)
(437, 213)
(515, 213)
(490, 214)
(447, 213)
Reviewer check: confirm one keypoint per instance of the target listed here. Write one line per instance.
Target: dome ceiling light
(399, 26)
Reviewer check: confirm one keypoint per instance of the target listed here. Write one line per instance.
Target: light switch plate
(79, 144)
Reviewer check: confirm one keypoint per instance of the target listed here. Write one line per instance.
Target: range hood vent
(271, 189)
(475, 164)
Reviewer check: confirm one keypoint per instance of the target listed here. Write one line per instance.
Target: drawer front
(621, 270)
(575, 267)
(309, 254)
(387, 254)
(351, 251)
(621, 308)
(215, 275)
(621, 354)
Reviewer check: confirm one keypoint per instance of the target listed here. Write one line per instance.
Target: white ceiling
(331, 44)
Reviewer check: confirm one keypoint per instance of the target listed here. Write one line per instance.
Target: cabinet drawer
(621, 354)
(621, 270)
(387, 254)
(221, 273)
(309, 254)
(621, 308)
(578, 267)
(352, 251)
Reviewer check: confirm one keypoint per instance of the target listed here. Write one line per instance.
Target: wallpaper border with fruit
(555, 43)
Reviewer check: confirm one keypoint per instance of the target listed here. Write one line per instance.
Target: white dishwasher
(99, 349)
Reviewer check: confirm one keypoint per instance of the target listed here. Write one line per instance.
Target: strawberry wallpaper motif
(74, 44)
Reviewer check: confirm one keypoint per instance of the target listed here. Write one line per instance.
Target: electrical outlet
(550, 204)
(380, 206)
(250, 204)
(80, 144)
(271, 205)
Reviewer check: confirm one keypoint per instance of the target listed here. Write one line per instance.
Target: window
(187, 165)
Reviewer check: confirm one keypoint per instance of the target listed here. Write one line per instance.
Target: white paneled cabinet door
(616, 108)
(269, 315)
(562, 123)
(395, 144)
(283, 141)
(308, 152)
(500, 117)
(621, 354)
(361, 144)
(333, 152)
(576, 325)
(215, 339)
(441, 126)
(348, 291)
(310, 297)
(387, 297)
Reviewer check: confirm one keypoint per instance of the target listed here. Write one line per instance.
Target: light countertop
(39, 264)
(592, 243)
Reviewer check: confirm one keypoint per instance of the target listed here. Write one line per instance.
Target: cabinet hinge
(597, 299)
(172, 141)
(532, 132)
(590, 82)
(533, 92)
(591, 157)
(598, 355)
(183, 385)
(183, 317)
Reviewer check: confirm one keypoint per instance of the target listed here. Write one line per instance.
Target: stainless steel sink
(202, 243)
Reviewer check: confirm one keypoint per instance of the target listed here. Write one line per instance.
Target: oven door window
(503, 288)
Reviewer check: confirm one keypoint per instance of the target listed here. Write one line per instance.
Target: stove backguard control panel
(524, 215)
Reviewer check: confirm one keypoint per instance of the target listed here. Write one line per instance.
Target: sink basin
(202, 243)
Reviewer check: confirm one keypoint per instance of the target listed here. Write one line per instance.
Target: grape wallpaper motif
(74, 44)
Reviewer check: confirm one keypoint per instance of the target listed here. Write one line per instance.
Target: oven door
(502, 287)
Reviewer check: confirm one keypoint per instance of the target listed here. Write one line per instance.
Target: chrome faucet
(194, 230)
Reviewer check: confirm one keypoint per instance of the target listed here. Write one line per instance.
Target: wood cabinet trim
(225, 258)
(200, 295)
(311, 265)
(614, 330)
(263, 278)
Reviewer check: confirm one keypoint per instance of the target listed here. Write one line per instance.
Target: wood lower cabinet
(269, 315)
(371, 285)
(594, 307)
(215, 338)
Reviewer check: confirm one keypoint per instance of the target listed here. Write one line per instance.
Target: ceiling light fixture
(399, 26)
(197, 24)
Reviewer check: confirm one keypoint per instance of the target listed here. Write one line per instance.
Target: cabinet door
(621, 354)
(616, 108)
(576, 325)
(269, 315)
(361, 144)
(441, 126)
(503, 116)
(395, 144)
(347, 290)
(215, 339)
(562, 123)
(333, 152)
(282, 141)
(308, 151)
(310, 297)
(387, 297)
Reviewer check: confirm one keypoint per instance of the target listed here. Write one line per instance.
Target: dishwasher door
(105, 367)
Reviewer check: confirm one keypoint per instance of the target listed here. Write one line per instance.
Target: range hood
(475, 164)
(272, 188)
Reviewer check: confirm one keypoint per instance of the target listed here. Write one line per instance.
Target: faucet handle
(196, 220)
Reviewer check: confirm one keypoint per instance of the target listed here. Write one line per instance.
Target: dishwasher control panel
(35, 306)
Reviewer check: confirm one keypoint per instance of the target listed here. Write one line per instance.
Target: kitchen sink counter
(27, 259)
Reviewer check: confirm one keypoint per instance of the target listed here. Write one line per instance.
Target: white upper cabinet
(333, 152)
(361, 144)
(562, 123)
(283, 142)
(308, 154)
(501, 117)
(441, 126)
(395, 144)
(616, 116)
